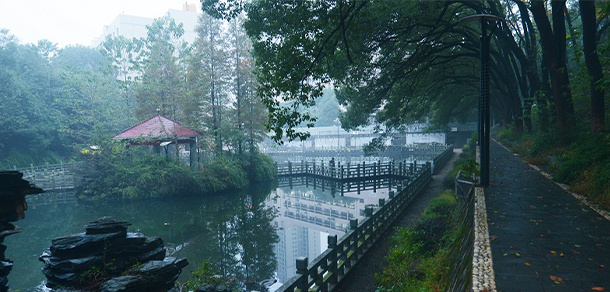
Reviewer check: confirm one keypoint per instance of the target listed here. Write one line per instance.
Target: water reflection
(249, 236)
(309, 210)
(233, 231)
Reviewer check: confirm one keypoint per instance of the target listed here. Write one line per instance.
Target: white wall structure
(418, 133)
(131, 26)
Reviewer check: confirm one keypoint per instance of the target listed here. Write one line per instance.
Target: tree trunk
(594, 68)
(554, 50)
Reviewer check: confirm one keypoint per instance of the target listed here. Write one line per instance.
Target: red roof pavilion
(156, 130)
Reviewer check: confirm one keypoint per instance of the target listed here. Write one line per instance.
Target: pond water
(249, 235)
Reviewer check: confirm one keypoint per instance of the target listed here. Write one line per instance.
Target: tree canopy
(394, 62)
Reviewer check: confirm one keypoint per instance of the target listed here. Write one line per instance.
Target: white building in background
(131, 26)
(418, 133)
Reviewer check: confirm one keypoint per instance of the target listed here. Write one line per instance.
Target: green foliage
(53, 99)
(162, 80)
(326, 109)
(207, 275)
(114, 171)
(221, 174)
(260, 167)
(584, 165)
(465, 163)
(421, 259)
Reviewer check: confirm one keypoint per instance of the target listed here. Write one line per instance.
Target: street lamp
(484, 115)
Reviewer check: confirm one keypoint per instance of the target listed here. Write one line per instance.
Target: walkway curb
(482, 262)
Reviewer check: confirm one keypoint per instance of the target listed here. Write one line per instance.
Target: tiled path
(542, 238)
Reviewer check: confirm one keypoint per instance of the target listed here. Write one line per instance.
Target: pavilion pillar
(193, 155)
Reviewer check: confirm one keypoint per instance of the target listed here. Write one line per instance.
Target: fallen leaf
(602, 266)
(561, 254)
(528, 264)
(555, 279)
(512, 247)
(517, 254)
(553, 252)
(597, 288)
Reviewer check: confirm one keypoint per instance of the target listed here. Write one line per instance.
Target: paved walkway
(542, 237)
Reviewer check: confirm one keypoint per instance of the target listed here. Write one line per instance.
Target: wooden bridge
(348, 172)
(368, 169)
(411, 152)
(338, 187)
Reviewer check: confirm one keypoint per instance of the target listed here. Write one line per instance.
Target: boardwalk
(542, 238)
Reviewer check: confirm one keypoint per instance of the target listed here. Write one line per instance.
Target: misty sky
(71, 22)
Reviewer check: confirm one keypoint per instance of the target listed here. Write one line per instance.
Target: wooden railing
(340, 187)
(349, 171)
(326, 271)
(439, 161)
(346, 149)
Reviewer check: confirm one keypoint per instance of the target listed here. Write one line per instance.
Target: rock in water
(13, 190)
(99, 259)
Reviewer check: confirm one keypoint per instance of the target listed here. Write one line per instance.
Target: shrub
(260, 167)
(206, 275)
(113, 171)
(421, 258)
(222, 174)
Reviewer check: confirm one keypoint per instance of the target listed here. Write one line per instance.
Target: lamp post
(484, 115)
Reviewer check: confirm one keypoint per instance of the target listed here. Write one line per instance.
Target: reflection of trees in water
(221, 229)
(240, 238)
(257, 237)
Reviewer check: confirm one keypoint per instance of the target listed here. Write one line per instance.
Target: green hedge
(116, 172)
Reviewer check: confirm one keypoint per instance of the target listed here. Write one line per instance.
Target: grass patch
(421, 259)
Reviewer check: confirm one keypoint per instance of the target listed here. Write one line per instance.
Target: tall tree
(89, 95)
(209, 77)
(125, 56)
(394, 61)
(28, 126)
(248, 115)
(161, 84)
(594, 68)
(553, 41)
